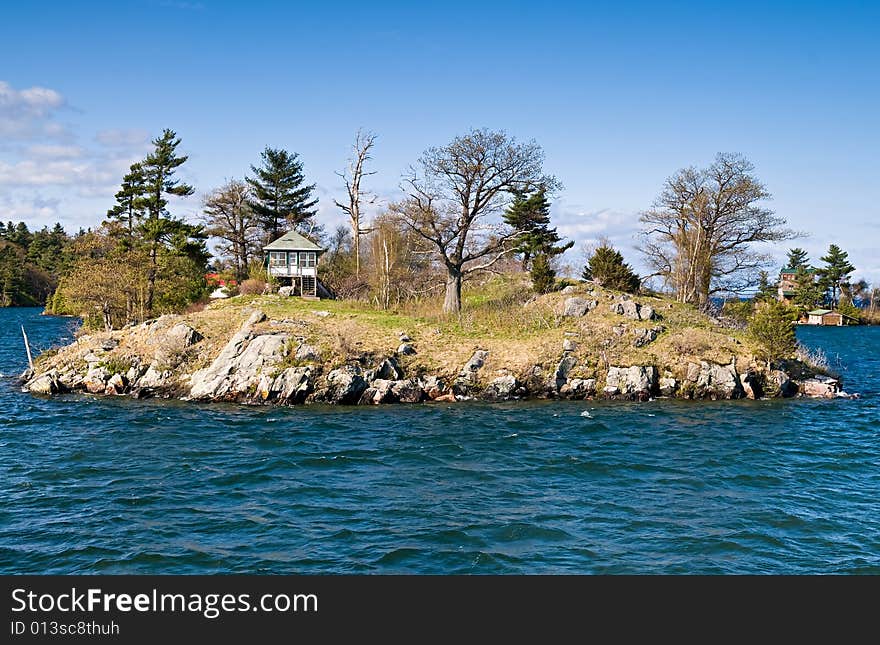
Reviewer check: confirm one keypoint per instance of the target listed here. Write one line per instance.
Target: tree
(352, 177)
(542, 273)
(130, 201)
(529, 215)
(853, 315)
(797, 258)
(834, 276)
(228, 216)
(766, 291)
(700, 236)
(606, 267)
(808, 293)
(280, 196)
(160, 228)
(458, 190)
(772, 328)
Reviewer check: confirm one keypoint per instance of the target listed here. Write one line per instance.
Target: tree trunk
(452, 302)
(357, 251)
(151, 278)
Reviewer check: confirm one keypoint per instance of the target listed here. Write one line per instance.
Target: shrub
(543, 275)
(738, 310)
(606, 267)
(252, 286)
(772, 328)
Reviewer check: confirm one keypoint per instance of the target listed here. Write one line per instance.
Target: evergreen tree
(772, 328)
(529, 215)
(606, 267)
(766, 291)
(542, 273)
(834, 276)
(797, 259)
(280, 196)
(130, 200)
(808, 293)
(160, 228)
(854, 313)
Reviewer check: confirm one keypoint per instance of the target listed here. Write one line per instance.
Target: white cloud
(53, 173)
(122, 138)
(43, 151)
(27, 114)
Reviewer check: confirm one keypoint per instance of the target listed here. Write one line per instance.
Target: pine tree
(766, 291)
(808, 293)
(834, 276)
(542, 273)
(772, 328)
(797, 258)
(530, 216)
(606, 267)
(160, 227)
(130, 200)
(280, 195)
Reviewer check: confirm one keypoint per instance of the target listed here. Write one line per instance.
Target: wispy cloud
(28, 113)
(122, 138)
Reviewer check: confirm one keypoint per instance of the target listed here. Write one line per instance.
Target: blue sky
(620, 95)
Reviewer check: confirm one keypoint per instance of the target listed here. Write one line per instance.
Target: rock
(403, 337)
(446, 398)
(646, 336)
(501, 388)
(378, 392)
(155, 378)
(779, 384)
(668, 386)
(46, 384)
(285, 292)
(619, 330)
(406, 349)
(388, 369)
(91, 357)
(433, 387)
(307, 353)
(293, 385)
(578, 388)
(631, 382)
(751, 385)
(95, 381)
(172, 344)
(109, 344)
(535, 381)
(407, 390)
(631, 309)
(821, 387)
(562, 370)
(116, 385)
(321, 313)
(569, 345)
(714, 381)
(569, 290)
(345, 385)
(474, 365)
(576, 307)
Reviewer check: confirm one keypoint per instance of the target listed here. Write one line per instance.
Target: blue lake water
(111, 485)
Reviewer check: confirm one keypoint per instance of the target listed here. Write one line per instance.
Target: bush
(854, 313)
(772, 328)
(252, 287)
(607, 268)
(543, 275)
(738, 310)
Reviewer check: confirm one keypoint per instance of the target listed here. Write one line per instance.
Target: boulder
(631, 382)
(116, 385)
(751, 384)
(285, 292)
(646, 336)
(628, 308)
(96, 379)
(345, 385)
(293, 385)
(779, 384)
(171, 345)
(46, 384)
(820, 387)
(562, 370)
(576, 307)
(501, 388)
(668, 386)
(714, 381)
(378, 392)
(446, 398)
(307, 353)
(433, 386)
(387, 369)
(407, 390)
(578, 388)
(406, 349)
(568, 345)
(155, 378)
(474, 365)
(403, 337)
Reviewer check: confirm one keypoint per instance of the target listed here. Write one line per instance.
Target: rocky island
(582, 342)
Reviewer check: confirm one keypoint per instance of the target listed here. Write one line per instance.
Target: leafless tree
(228, 216)
(352, 177)
(456, 194)
(700, 236)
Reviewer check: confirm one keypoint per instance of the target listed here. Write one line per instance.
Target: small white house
(293, 260)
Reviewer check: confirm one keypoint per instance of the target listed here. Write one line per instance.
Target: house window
(277, 258)
(308, 258)
(293, 259)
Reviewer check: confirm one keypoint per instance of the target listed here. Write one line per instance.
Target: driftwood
(27, 348)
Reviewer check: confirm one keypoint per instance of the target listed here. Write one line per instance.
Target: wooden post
(28, 349)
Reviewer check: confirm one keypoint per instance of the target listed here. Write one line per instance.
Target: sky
(620, 95)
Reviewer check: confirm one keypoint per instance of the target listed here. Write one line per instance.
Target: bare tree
(228, 216)
(457, 194)
(700, 236)
(352, 177)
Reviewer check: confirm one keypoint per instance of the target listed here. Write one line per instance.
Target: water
(103, 485)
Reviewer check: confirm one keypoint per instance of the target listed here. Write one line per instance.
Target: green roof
(819, 312)
(788, 294)
(292, 241)
(794, 270)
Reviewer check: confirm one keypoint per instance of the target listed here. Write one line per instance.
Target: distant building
(825, 317)
(293, 259)
(788, 283)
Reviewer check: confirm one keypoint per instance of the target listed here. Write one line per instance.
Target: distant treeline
(31, 262)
